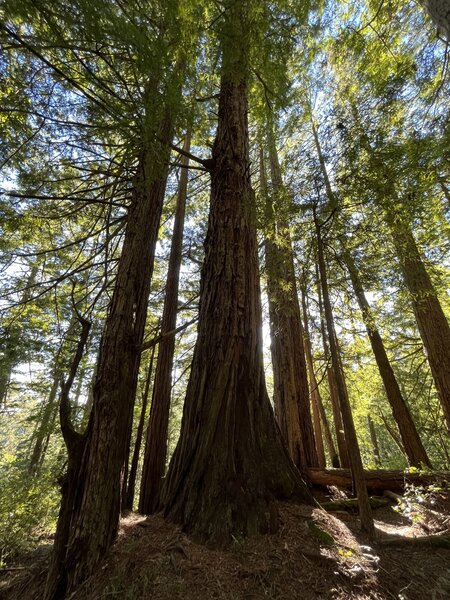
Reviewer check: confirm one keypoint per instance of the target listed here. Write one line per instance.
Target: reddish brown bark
(94, 505)
(139, 435)
(334, 400)
(230, 464)
(291, 393)
(154, 465)
(374, 440)
(432, 323)
(412, 443)
(375, 479)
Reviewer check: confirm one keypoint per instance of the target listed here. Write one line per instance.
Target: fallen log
(351, 504)
(377, 479)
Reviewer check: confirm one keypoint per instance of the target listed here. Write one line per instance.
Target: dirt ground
(314, 554)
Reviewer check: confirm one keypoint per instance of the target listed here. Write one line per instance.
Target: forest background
(349, 159)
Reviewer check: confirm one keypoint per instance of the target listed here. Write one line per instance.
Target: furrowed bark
(95, 503)
(291, 393)
(230, 464)
(433, 326)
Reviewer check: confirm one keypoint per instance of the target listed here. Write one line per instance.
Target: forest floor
(314, 554)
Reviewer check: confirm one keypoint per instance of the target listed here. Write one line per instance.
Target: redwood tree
(230, 463)
(291, 392)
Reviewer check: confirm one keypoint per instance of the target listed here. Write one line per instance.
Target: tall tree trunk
(291, 394)
(154, 465)
(433, 326)
(432, 323)
(320, 420)
(356, 465)
(331, 373)
(95, 503)
(344, 459)
(139, 434)
(230, 462)
(412, 443)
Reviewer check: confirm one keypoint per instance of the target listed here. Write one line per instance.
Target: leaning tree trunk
(433, 326)
(431, 320)
(439, 12)
(356, 464)
(291, 393)
(95, 504)
(230, 463)
(412, 443)
(155, 455)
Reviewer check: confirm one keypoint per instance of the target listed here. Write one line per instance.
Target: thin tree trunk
(320, 423)
(356, 465)
(139, 434)
(412, 443)
(393, 433)
(155, 455)
(335, 407)
(230, 463)
(291, 394)
(374, 440)
(94, 505)
(46, 422)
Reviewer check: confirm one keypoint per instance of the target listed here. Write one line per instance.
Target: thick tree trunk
(356, 465)
(433, 326)
(320, 420)
(439, 13)
(230, 463)
(139, 435)
(412, 443)
(154, 465)
(291, 394)
(431, 320)
(95, 505)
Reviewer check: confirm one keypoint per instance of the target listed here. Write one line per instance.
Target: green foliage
(28, 505)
